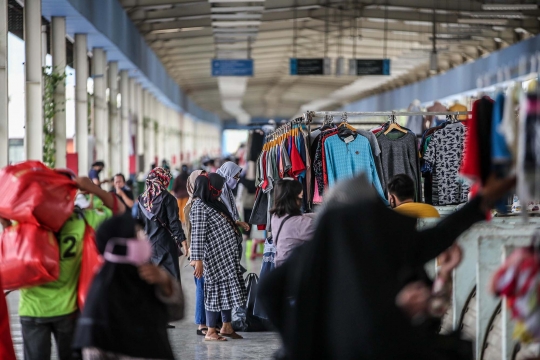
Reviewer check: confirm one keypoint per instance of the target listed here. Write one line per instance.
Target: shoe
(169, 326)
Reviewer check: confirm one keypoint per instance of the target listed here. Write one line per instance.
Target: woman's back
(295, 231)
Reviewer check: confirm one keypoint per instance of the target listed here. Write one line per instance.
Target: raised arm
(109, 200)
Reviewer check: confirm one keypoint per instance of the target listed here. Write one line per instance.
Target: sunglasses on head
(213, 191)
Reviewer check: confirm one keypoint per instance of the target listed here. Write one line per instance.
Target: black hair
(402, 187)
(119, 226)
(98, 163)
(286, 201)
(121, 175)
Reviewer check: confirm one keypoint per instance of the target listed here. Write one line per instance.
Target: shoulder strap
(281, 227)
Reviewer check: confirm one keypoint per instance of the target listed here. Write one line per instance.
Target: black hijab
(122, 313)
(208, 188)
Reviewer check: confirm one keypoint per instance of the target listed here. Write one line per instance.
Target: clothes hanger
(394, 126)
(345, 122)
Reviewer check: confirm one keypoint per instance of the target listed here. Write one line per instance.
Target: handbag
(268, 265)
(153, 217)
(243, 318)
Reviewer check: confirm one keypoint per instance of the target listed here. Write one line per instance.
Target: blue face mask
(232, 183)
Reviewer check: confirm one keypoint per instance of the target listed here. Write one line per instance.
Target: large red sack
(29, 256)
(90, 264)
(32, 193)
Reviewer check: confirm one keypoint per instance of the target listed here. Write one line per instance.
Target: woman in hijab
(130, 301)
(159, 211)
(214, 254)
(231, 173)
(200, 315)
(180, 191)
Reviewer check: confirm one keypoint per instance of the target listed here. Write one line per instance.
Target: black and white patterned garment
(214, 241)
(445, 153)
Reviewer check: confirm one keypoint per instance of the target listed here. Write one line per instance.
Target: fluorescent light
(497, 39)
(168, 31)
(483, 21)
(236, 23)
(509, 7)
(236, 16)
(234, 9)
(380, 20)
(407, 22)
(497, 15)
(521, 30)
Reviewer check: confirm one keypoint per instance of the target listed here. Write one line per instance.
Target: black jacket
(164, 245)
(334, 298)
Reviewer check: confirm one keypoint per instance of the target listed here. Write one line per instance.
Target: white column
(152, 132)
(99, 62)
(43, 45)
(124, 111)
(58, 50)
(81, 102)
(114, 124)
(163, 136)
(140, 126)
(133, 120)
(4, 120)
(33, 140)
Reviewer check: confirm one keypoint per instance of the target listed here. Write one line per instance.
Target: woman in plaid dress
(214, 254)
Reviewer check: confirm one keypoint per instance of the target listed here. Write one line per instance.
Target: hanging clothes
(400, 156)
(348, 154)
(457, 107)
(444, 153)
(434, 120)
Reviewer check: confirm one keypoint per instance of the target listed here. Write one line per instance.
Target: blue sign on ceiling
(232, 67)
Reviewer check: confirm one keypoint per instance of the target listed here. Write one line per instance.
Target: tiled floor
(186, 344)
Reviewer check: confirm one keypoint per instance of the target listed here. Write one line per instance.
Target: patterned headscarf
(156, 183)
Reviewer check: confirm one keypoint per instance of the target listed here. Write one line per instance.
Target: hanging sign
(321, 66)
(232, 67)
(364, 67)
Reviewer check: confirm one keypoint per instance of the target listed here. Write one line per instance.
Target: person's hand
(243, 225)
(413, 299)
(85, 184)
(494, 189)
(153, 274)
(5, 222)
(198, 268)
(449, 260)
(119, 190)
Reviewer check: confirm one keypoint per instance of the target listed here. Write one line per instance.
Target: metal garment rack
(309, 117)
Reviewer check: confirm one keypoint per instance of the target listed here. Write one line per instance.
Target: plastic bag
(242, 317)
(90, 264)
(29, 256)
(31, 193)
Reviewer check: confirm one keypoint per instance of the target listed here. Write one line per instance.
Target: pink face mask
(138, 252)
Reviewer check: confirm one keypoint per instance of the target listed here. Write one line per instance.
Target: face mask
(232, 182)
(138, 252)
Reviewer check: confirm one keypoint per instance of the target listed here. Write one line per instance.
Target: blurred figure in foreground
(130, 300)
(350, 276)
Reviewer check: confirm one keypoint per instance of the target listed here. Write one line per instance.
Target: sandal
(200, 331)
(218, 338)
(233, 335)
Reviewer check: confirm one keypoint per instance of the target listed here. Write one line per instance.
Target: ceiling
(187, 34)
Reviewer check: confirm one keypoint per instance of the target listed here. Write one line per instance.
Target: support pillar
(140, 128)
(114, 124)
(133, 120)
(163, 130)
(33, 140)
(4, 113)
(125, 137)
(99, 63)
(152, 132)
(81, 102)
(58, 45)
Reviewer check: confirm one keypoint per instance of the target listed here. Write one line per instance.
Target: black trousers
(36, 333)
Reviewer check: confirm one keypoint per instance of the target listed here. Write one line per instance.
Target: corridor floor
(187, 345)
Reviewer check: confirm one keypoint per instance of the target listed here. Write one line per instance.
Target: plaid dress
(214, 241)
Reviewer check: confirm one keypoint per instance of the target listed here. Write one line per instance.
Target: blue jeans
(213, 317)
(200, 313)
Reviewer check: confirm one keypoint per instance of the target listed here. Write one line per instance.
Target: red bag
(29, 256)
(32, 193)
(90, 265)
